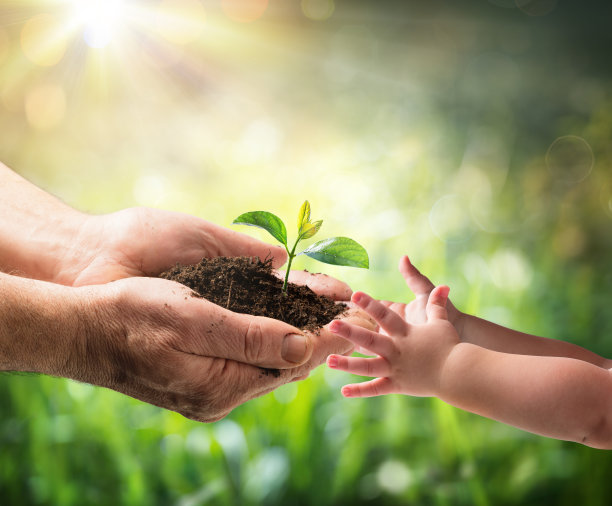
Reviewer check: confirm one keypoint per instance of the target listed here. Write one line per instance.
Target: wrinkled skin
(155, 342)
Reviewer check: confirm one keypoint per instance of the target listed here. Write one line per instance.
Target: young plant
(335, 251)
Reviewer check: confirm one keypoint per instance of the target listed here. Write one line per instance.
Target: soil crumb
(247, 285)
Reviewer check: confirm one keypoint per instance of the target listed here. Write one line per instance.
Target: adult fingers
(436, 304)
(321, 284)
(372, 341)
(237, 382)
(418, 284)
(388, 320)
(358, 365)
(378, 386)
(216, 332)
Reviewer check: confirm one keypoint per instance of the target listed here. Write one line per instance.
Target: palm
(145, 242)
(415, 311)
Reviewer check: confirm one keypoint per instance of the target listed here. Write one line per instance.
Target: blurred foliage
(473, 135)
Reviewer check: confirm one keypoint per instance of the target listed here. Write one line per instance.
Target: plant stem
(291, 257)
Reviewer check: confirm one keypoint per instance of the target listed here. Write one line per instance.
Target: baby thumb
(436, 304)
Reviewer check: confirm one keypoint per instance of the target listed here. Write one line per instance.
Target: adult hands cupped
(162, 345)
(155, 341)
(145, 242)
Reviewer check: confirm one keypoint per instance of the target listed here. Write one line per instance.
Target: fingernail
(335, 326)
(357, 297)
(294, 348)
(346, 391)
(332, 361)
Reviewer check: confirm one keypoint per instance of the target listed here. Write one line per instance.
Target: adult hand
(43, 238)
(142, 241)
(155, 341)
(145, 242)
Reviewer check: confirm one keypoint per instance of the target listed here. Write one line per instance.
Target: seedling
(335, 251)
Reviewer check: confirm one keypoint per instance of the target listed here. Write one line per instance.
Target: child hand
(421, 287)
(409, 357)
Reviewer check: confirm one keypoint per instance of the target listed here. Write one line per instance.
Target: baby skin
(428, 348)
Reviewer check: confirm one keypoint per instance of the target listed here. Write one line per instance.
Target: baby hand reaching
(409, 357)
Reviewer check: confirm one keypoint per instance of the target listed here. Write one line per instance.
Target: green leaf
(339, 251)
(310, 229)
(303, 216)
(265, 220)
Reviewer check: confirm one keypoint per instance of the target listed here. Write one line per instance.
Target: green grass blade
(339, 251)
(268, 221)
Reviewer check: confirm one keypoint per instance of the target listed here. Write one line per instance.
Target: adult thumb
(436, 304)
(264, 342)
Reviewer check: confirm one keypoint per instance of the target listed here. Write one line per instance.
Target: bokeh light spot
(172, 444)
(180, 21)
(231, 438)
(79, 391)
(510, 270)
(45, 106)
(260, 141)
(150, 190)
(268, 473)
(244, 11)
(287, 393)
(198, 441)
(450, 220)
(42, 40)
(394, 476)
(318, 10)
(475, 268)
(570, 159)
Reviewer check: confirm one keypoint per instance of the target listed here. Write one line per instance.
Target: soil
(247, 285)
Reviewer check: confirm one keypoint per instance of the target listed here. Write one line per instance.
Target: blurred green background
(473, 135)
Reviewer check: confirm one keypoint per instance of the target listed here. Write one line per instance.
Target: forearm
(39, 325)
(36, 230)
(558, 397)
(494, 337)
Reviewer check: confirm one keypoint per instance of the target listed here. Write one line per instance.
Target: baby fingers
(418, 284)
(371, 341)
(378, 386)
(358, 365)
(389, 320)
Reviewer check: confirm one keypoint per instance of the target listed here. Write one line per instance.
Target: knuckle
(253, 341)
(369, 340)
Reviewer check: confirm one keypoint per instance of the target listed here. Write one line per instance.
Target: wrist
(38, 230)
(459, 320)
(462, 358)
(39, 325)
(49, 248)
(93, 347)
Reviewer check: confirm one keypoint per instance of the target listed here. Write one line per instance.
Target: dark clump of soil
(247, 285)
